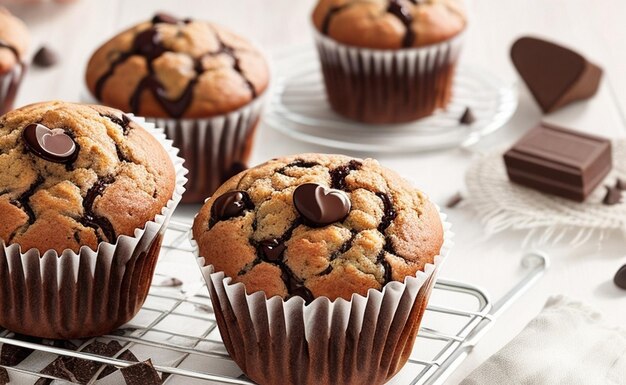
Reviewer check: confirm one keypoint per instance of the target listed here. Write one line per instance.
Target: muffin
(85, 195)
(14, 41)
(327, 242)
(388, 61)
(202, 83)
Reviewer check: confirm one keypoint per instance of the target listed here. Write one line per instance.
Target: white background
(596, 28)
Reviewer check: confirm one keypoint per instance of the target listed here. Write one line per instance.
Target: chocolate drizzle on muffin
(307, 235)
(148, 44)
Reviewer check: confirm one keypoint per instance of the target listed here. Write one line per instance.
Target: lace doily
(503, 205)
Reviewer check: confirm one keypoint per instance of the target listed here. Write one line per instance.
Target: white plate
(299, 109)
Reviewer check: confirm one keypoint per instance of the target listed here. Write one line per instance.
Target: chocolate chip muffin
(77, 175)
(198, 80)
(318, 226)
(14, 42)
(84, 197)
(388, 61)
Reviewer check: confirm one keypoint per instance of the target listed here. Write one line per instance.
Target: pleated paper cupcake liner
(364, 341)
(9, 84)
(89, 293)
(388, 86)
(214, 148)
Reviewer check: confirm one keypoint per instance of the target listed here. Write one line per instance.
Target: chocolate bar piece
(555, 75)
(559, 161)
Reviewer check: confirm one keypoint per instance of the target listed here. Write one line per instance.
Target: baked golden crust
(391, 231)
(120, 179)
(201, 67)
(389, 24)
(15, 35)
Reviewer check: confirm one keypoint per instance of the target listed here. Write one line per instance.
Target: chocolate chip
(4, 377)
(11, 355)
(272, 249)
(613, 196)
(468, 117)
(620, 278)
(230, 205)
(454, 200)
(319, 205)
(621, 184)
(404, 15)
(53, 145)
(142, 373)
(45, 57)
(339, 174)
(166, 18)
(149, 44)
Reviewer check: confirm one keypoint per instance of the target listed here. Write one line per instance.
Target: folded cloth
(567, 344)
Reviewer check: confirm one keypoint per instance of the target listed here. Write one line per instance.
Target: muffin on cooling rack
(14, 42)
(199, 81)
(316, 237)
(85, 195)
(388, 61)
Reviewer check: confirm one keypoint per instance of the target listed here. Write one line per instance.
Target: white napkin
(567, 344)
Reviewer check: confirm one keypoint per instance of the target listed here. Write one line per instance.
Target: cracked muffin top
(317, 225)
(75, 175)
(14, 40)
(390, 24)
(173, 68)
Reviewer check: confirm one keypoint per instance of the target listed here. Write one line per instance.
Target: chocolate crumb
(45, 57)
(454, 200)
(142, 373)
(468, 117)
(613, 196)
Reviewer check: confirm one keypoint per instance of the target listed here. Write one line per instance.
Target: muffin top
(318, 225)
(389, 24)
(75, 175)
(172, 68)
(14, 40)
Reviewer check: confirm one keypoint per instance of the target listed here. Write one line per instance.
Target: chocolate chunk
(454, 200)
(148, 44)
(53, 145)
(559, 161)
(4, 377)
(555, 75)
(339, 174)
(295, 286)
(319, 205)
(621, 184)
(45, 57)
(402, 13)
(613, 196)
(272, 250)
(230, 205)
(166, 18)
(620, 278)
(468, 117)
(142, 373)
(389, 212)
(11, 355)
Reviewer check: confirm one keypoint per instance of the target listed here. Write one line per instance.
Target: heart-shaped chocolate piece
(320, 205)
(53, 145)
(555, 75)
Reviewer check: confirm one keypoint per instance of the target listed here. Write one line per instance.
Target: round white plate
(300, 110)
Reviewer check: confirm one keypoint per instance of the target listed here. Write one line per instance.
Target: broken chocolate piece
(559, 161)
(613, 196)
(555, 75)
(468, 117)
(142, 373)
(45, 57)
(620, 278)
(454, 200)
(621, 184)
(4, 377)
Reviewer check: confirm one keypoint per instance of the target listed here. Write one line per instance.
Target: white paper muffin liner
(363, 341)
(92, 292)
(9, 85)
(388, 86)
(214, 148)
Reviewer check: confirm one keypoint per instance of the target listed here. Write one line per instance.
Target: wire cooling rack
(176, 329)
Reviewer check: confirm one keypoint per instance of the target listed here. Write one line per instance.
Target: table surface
(493, 263)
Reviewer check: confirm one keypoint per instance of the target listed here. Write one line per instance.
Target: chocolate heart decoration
(53, 145)
(321, 206)
(555, 75)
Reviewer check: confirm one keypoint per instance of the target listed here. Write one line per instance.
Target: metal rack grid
(176, 329)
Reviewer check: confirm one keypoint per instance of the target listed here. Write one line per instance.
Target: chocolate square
(142, 373)
(559, 161)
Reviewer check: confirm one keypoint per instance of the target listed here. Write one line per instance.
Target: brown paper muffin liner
(215, 148)
(364, 341)
(9, 84)
(89, 293)
(388, 86)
